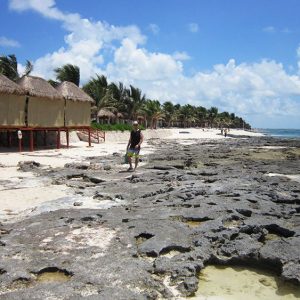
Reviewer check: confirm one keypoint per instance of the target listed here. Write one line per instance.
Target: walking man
(134, 145)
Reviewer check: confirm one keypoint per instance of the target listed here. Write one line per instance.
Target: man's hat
(135, 123)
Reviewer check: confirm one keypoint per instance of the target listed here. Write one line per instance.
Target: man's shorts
(133, 152)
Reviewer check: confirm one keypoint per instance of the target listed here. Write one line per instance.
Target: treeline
(130, 103)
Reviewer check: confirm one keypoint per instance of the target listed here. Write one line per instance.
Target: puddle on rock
(171, 253)
(57, 276)
(272, 237)
(194, 224)
(232, 223)
(235, 283)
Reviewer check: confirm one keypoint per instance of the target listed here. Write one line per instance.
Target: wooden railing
(95, 135)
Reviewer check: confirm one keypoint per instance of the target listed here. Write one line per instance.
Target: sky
(242, 56)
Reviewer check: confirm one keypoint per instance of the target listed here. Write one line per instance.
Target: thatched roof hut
(106, 114)
(8, 87)
(77, 106)
(39, 87)
(12, 103)
(45, 103)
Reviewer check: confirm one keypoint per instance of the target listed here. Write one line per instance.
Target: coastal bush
(114, 127)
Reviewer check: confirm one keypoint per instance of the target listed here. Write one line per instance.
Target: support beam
(67, 137)
(89, 130)
(20, 145)
(45, 138)
(58, 139)
(31, 140)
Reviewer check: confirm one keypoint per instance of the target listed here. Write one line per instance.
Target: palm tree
(99, 90)
(169, 112)
(187, 115)
(201, 115)
(53, 82)
(68, 72)
(153, 111)
(212, 114)
(9, 67)
(121, 96)
(135, 102)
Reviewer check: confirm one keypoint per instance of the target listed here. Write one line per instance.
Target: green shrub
(113, 127)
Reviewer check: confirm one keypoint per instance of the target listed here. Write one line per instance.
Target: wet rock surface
(188, 206)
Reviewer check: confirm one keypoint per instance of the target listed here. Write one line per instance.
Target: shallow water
(236, 283)
(53, 276)
(193, 224)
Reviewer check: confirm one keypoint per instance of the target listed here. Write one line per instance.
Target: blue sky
(242, 56)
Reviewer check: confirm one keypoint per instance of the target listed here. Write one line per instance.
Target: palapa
(120, 115)
(71, 91)
(39, 87)
(8, 87)
(104, 113)
(12, 103)
(78, 104)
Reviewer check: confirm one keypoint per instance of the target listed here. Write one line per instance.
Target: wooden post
(89, 130)
(20, 145)
(20, 137)
(45, 138)
(9, 138)
(31, 140)
(58, 138)
(68, 138)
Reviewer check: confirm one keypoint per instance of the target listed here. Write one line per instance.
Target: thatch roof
(39, 87)
(120, 115)
(8, 87)
(71, 91)
(104, 113)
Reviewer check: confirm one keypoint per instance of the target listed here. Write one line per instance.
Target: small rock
(26, 166)
(78, 203)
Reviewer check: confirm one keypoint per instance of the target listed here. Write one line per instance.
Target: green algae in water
(236, 283)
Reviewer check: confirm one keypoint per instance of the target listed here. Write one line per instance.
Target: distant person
(134, 146)
(225, 132)
(222, 131)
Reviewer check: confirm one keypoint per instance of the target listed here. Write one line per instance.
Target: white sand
(22, 191)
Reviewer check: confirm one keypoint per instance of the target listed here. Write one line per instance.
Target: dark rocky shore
(187, 207)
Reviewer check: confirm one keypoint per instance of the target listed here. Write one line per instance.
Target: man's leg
(137, 158)
(136, 161)
(129, 155)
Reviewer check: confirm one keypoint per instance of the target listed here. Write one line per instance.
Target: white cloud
(139, 64)
(46, 8)
(261, 88)
(84, 43)
(181, 56)
(269, 29)
(5, 42)
(154, 28)
(298, 56)
(193, 27)
(272, 29)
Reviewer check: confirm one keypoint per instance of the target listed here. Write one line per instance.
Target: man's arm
(141, 140)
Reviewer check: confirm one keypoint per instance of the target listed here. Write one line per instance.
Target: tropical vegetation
(9, 67)
(125, 104)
